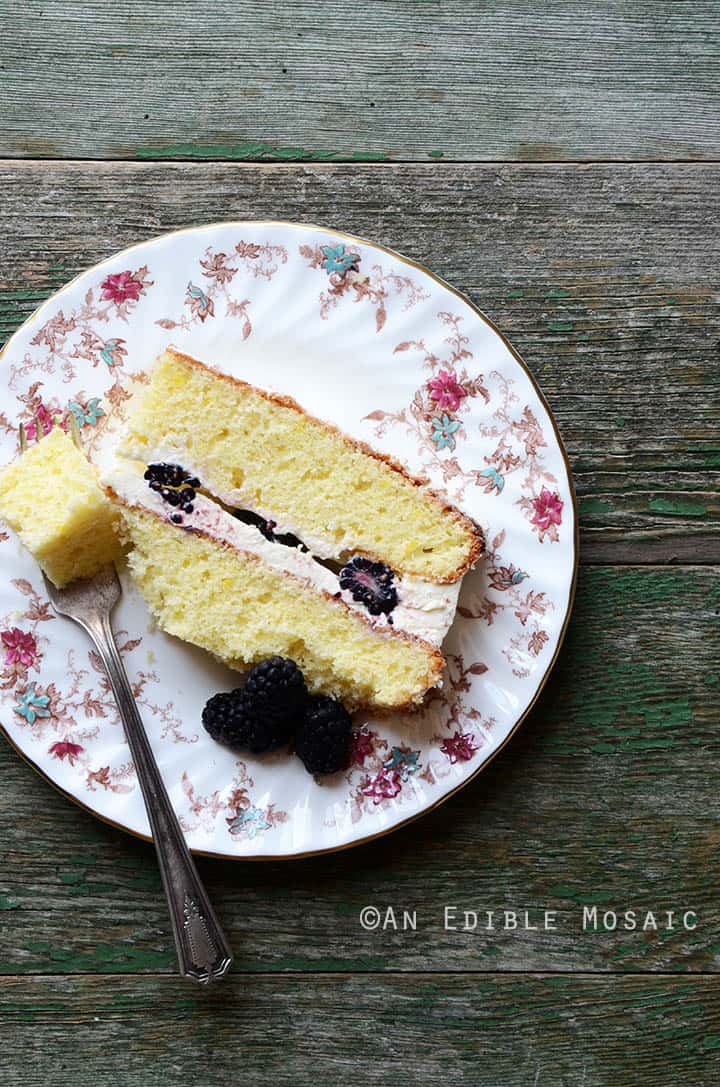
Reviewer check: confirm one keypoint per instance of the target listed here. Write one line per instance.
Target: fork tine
(23, 437)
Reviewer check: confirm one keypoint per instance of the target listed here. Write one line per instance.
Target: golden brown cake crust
(472, 529)
(436, 661)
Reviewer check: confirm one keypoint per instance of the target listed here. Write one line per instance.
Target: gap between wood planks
(380, 163)
(172, 975)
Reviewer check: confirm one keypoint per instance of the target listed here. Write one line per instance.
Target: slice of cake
(257, 530)
(218, 582)
(261, 452)
(50, 496)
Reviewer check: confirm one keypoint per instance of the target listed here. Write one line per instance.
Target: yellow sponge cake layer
(51, 498)
(265, 453)
(239, 608)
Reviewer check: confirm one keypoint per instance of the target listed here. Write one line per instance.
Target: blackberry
(170, 475)
(322, 741)
(225, 718)
(371, 584)
(174, 485)
(276, 687)
(236, 719)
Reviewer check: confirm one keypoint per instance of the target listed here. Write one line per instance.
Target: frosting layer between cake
(424, 609)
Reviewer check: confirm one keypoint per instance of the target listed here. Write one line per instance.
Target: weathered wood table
(559, 163)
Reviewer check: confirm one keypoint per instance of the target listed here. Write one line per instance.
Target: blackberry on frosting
(173, 483)
(371, 584)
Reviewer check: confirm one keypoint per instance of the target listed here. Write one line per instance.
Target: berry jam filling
(371, 584)
(174, 485)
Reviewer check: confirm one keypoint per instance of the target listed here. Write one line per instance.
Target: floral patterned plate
(376, 344)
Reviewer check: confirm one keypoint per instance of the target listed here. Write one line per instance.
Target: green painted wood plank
(606, 797)
(285, 81)
(429, 1029)
(605, 278)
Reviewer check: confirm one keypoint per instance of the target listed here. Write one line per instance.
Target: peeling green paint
(24, 296)
(557, 292)
(641, 707)
(625, 951)
(122, 957)
(677, 507)
(589, 506)
(69, 878)
(82, 858)
(57, 274)
(561, 326)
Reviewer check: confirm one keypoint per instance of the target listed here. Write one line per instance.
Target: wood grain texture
(431, 1030)
(606, 797)
(566, 79)
(604, 278)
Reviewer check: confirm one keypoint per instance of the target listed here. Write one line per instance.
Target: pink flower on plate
(65, 749)
(548, 510)
(20, 647)
(462, 745)
(361, 746)
(44, 418)
(121, 287)
(446, 390)
(384, 785)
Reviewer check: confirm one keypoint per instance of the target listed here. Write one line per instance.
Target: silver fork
(202, 950)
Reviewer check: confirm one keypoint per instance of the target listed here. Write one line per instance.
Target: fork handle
(202, 949)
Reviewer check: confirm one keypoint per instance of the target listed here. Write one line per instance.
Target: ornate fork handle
(202, 949)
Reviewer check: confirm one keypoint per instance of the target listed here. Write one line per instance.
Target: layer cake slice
(256, 529)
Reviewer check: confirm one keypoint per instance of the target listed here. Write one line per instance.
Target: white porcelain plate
(370, 341)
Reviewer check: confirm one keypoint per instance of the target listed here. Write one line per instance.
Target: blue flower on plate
(112, 352)
(493, 480)
(404, 762)
(32, 705)
(252, 820)
(444, 430)
(200, 304)
(88, 415)
(338, 260)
